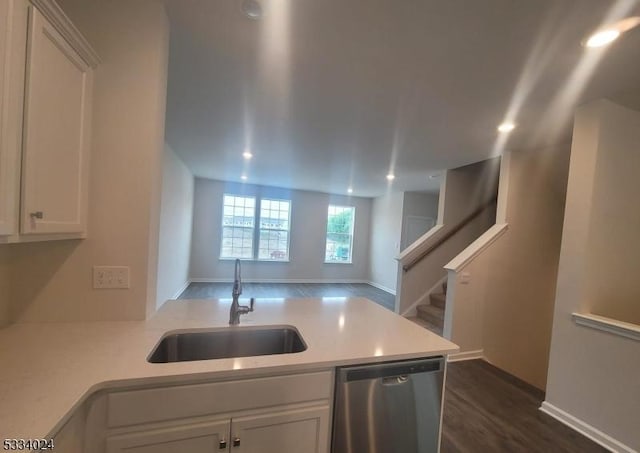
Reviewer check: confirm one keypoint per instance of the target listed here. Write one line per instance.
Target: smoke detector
(252, 9)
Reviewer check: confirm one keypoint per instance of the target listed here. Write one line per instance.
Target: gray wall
(176, 223)
(418, 204)
(386, 229)
(307, 243)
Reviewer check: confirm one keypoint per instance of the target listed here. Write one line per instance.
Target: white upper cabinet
(56, 139)
(46, 84)
(6, 216)
(12, 25)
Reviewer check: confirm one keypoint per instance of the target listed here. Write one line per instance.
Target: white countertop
(47, 370)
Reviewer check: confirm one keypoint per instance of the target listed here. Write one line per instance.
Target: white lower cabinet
(271, 414)
(292, 431)
(197, 437)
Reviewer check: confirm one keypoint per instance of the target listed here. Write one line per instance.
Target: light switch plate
(110, 277)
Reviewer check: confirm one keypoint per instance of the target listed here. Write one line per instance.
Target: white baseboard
(278, 280)
(383, 288)
(181, 290)
(467, 355)
(585, 429)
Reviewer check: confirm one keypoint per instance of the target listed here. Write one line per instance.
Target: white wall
(53, 281)
(593, 375)
(176, 224)
(506, 308)
(307, 242)
(612, 282)
(418, 204)
(386, 231)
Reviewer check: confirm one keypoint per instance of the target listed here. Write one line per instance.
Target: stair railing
(463, 223)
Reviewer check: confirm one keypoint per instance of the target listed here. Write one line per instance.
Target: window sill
(255, 261)
(338, 262)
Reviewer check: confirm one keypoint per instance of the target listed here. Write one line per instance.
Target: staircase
(431, 315)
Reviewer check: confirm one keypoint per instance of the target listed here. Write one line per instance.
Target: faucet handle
(251, 303)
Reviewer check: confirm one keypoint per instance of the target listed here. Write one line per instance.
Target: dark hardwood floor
(488, 410)
(257, 290)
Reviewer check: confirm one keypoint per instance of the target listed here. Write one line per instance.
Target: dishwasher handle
(396, 380)
(393, 370)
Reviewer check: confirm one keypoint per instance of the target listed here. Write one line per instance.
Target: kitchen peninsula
(56, 374)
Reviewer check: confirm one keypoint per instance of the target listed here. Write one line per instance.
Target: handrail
(463, 223)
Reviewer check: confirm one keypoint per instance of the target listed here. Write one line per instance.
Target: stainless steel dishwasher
(392, 407)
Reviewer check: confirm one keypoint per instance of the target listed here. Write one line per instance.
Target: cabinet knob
(37, 215)
(236, 442)
(223, 444)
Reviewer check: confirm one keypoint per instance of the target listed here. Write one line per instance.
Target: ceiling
(332, 93)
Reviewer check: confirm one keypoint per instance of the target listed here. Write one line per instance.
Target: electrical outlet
(110, 277)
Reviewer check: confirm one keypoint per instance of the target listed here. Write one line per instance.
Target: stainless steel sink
(227, 343)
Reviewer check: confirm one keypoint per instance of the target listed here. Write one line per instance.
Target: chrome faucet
(237, 309)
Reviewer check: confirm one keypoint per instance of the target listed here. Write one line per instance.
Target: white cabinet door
(56, 133)
(292, 431)
(10, 86)
(6, 192)
(205, 437)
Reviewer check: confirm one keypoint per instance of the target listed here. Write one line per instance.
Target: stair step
(439, 300)
(432, 314)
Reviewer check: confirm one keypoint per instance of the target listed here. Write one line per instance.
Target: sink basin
(227, 343)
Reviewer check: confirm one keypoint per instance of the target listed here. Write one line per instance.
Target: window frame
(222, 226)
(259, 229)
(352, 234)
(255, 235)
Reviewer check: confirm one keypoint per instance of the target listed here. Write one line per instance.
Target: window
(238, 225)
(240, 231)
(274, 230)
(340, 234)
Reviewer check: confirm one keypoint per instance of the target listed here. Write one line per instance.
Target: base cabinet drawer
(169, 403)
(198, 437)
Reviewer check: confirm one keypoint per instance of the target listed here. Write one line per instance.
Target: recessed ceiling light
(602, 38)
(350, 190)
(244, 177)
(610, 32)
(506, 127)
(391, 177)
(247, 155)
